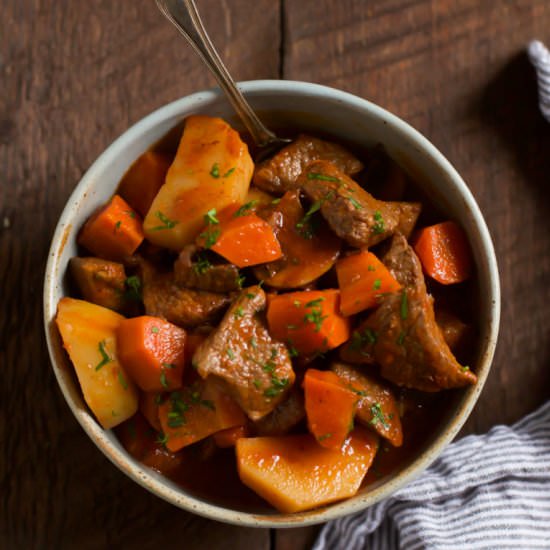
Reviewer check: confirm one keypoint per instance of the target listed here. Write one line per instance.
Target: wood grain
(76, 74)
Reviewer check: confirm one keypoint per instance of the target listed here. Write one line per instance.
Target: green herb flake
(378, 226)
(257, 383)
(253, 343)
(131, 213)
(371, 268)
(404, 306)
(202, 265)
(229, 172)
(215, 170)
(168, 365)
(167, 223)
(230, 353)
(324, 436)
(210, 237)
(245, 209)
(117, 225)
(292, 351)
(377, 284)
(355, 203)
(316, 318)
(158, 399)
(162, 439)
(163, 380)
(321, 177)
(105, 358)
(400, 339)
(133, 288)
(239, 312)
(315, 303)
(275, 201)
(465, 368)
(210, 217)
(370, 336)
(155, 330)
(114, 413)
(297, 303)
(378, 416)
(122, 380)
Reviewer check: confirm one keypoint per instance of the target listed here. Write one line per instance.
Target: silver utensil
(185, 17)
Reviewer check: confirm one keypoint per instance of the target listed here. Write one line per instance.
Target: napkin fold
(485, 491)
(540, 58)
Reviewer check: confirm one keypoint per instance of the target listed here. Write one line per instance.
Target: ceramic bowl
(312, 108)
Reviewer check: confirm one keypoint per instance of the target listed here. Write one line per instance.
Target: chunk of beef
(457, 334)
(100, 281)
(280, 173)
(304, 259)
(203, 275)
(256, 369)
(353, 213)
(184, 307)
(377, 407)
(402, 334)
(284, 417)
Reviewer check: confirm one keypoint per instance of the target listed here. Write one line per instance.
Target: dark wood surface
(74, 75)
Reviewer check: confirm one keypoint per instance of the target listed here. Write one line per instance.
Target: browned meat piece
(352, 213)
(284, 417)
(256, 369)
(184, 307)
(100, 281)
(402, 335)
(408, 215)
(304, 259)
(377, 407)
(457, 334)
(280, 173)
(203, 275)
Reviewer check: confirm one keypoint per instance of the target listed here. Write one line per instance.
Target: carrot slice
(362, 279)
(309, 321)
(330, 407)
(240, 236)
(444, 252)
(149, 408)
(196, 412)
(113, 232)
(228, 438)
(152, 351)
(141, 183)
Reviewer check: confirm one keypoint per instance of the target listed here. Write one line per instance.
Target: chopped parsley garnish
(324, 436)
(210, 217)
(370, 335)
(105, 358)
(239, 312)
(163, 380)
(404, 307)
(117, 225)
(371, 268)
(245, 208)
(314, 303)
(305, 225)
(322, 177)
(275, 201)
(176, 416)
(230, 353)
(257, 383)
(355, 203)
(358, 339)
(277, 386)
(158, 399)
(167, 223)
(269, 366)
(378, 226)
(229, 172)
(292, 351)
(250, 295)
(155, 330)
(400, 338)
(465, 368)
(168, 365)
(240, 282)
(133, 288)
(378, 416)
(131, 213)
(215, 170)
(253, 343)
(377, 284)
(122, 380)
(162, 439)
(202, 265)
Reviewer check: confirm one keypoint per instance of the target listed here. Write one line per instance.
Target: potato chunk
(88, 333)
(294, 473)
(212, 169)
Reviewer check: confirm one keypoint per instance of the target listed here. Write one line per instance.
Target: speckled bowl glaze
(308, 107)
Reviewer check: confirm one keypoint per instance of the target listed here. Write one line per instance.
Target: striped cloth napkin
(487, 491)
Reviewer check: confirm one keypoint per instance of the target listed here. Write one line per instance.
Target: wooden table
(74, 75)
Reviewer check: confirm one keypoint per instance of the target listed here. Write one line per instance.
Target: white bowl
(309, 107)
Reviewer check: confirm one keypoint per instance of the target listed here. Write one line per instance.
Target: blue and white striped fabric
(485, 492)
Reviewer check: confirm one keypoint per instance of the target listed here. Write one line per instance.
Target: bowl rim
(154, 482)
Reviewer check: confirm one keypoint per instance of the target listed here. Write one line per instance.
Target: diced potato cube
(88, 334)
